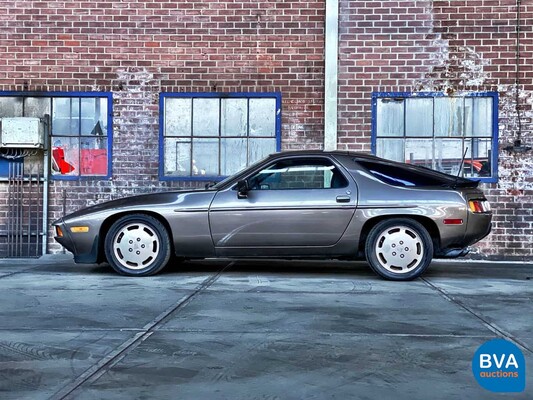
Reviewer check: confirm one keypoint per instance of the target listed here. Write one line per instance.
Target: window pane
(65, 156)
(391, 149)
(390, 118)
(299, 174)
(10, 107)
(449, 116)
(263, 117)
(93, 156)
(37, 107)
(177, 156)
(419, 152)
(234, 118)
(205, 117)
(232, 155)
(419, 117)
(205, 157)
(401, 175)
(93, 116)
(482, 116)
(304, 177)
(448, 155)
(469, 116)
(65, 116)
(481, 157)
(178, 117)
(260, 148)
(481, 148)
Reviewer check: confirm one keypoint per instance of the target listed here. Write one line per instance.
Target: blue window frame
(80, 129)
(436, 131)
(205, 136)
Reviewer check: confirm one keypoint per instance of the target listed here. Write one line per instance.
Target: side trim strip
(386, 207)
(351, 207)
(347, 207)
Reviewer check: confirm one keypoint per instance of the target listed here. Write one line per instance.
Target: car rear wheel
(137, 245)
(399, 249)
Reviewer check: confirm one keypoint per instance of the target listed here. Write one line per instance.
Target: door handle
(343, 199)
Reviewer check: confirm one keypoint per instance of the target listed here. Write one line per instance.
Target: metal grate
(22, 235)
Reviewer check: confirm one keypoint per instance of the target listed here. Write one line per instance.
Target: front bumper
(84, 246)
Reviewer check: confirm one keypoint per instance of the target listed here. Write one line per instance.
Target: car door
(292, 202)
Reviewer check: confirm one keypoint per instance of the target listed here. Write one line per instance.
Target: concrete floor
(255, 330)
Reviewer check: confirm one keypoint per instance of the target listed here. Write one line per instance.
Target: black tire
(137, 245)
(399, 249)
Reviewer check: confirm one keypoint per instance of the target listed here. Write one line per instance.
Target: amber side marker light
(79, 229)
(59, 232)
(479, 206)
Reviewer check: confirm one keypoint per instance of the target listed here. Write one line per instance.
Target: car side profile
(305, 204)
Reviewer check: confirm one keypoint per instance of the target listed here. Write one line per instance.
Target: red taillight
(479, 206)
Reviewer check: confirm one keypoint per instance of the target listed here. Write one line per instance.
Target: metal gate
(23, 186)
(23, 233)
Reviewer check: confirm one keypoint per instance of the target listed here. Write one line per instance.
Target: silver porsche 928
(308, 204)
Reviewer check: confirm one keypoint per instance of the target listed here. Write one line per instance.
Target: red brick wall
(447, 46)
(482, 44)
(137, 49)
(384, 46)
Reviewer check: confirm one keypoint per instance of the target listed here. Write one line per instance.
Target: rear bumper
(453, 253)
(479, 226)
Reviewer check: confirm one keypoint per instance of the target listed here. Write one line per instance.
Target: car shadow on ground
(469, 270)
(353, 269)
(273, 267)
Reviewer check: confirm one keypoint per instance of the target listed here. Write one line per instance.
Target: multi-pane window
(214, 134)
(436, 131)
(79, 129)
(80, 137)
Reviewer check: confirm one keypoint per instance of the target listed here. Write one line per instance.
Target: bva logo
(499, 366)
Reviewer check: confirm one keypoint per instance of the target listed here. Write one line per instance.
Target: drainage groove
(115, 356)
(489, 325)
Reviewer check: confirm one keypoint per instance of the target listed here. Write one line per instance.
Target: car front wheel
(399, 249)
(137, 245)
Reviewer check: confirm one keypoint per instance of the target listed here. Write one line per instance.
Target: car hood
(143, 200)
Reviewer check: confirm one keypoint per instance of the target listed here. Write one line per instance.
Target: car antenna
(460, 168)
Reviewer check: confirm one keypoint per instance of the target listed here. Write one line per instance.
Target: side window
(299, 174)
(398, 175)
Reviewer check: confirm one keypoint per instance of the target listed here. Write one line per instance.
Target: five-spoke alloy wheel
(137, 245)
(399, 249)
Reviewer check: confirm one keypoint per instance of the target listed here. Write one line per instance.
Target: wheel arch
(426, 222)
(109, 221)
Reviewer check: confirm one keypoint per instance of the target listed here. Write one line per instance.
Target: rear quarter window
(405, 175)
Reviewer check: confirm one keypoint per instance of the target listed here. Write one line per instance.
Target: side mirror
(242, 189)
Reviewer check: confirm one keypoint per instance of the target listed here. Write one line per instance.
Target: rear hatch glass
(398, 174)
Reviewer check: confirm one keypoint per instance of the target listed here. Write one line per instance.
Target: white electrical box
(22, 132)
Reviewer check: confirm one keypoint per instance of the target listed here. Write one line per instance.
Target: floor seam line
(489, 325)
(98, 369)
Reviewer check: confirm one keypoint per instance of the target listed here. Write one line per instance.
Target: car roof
(354, 154)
